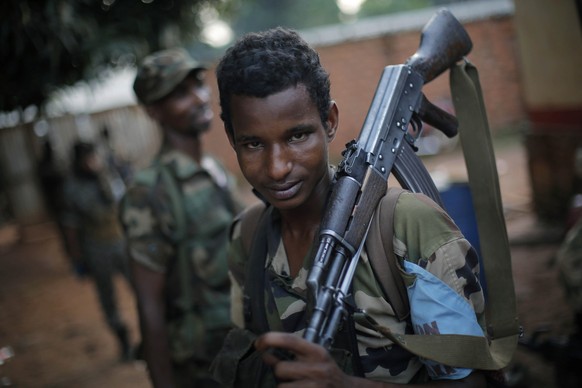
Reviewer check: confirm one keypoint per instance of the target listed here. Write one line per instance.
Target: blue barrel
(458, 202)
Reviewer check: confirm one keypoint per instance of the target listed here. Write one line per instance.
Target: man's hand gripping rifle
(394, 119)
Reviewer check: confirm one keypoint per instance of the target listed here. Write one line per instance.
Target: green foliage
(54, 43)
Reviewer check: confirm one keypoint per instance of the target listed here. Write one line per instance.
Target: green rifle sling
(255, 218)
(380, 248)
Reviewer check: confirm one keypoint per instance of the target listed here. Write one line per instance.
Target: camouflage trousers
(196, 373)
(193, 373)
(104, 260)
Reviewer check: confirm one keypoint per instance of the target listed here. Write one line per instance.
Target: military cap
(161, 72)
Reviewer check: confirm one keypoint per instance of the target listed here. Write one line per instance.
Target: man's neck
(189, 145)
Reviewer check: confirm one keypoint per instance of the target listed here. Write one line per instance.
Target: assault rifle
(385, 143)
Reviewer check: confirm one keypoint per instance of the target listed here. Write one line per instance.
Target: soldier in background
(51, 179)
(176, 216)
(121, 166)
(93, 234)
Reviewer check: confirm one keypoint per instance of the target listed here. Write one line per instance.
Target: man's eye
(179, 92)
(298, 137)
(253, 145)
(200, 77)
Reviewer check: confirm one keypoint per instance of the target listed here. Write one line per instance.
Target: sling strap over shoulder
(380, 248)
(256, 218)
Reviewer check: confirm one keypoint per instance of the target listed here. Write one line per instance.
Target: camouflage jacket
(423, 234)
(150, 221)
(91, 208)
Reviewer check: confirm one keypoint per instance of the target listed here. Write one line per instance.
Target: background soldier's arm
(149, 286)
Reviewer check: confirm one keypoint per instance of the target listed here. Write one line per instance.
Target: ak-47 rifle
(386, 142)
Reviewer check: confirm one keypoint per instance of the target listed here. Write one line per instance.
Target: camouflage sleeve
(145, 219)
(427, 236)
(85, 203)
(236, 265)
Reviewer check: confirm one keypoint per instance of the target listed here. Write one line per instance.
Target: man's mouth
(203, 114)
(284, 191)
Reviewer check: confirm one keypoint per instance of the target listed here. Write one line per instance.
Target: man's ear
(153, 112)
(332, 121)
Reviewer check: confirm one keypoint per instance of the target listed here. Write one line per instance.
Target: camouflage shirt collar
(181, 165)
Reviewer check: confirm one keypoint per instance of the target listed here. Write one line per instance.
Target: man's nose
(200, 94)
(278, 164)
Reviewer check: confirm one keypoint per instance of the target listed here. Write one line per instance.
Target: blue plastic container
(458, 202)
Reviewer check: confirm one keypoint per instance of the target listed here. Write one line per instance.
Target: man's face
(92, 163)
(281, 145)
(187, 108)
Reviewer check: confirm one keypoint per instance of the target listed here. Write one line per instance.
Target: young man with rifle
(280, 119)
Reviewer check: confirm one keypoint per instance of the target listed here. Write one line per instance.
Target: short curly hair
(264, 63)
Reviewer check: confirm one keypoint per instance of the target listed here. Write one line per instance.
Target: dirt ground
(50, 318)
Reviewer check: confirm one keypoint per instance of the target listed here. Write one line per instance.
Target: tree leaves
(50, 44)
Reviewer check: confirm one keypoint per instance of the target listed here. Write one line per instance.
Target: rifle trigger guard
(349, 156)
(417, 129)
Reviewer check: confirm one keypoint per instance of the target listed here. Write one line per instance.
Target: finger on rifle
(271, 358)
(292, 343)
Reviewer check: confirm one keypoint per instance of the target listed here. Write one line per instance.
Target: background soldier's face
(187, 108)
(93, 163)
